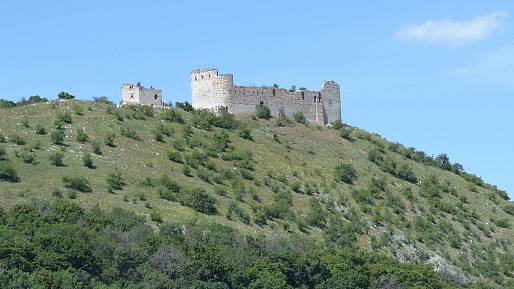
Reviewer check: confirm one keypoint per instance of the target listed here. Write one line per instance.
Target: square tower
(137, 94)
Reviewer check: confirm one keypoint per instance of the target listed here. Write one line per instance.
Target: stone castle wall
(214, 91)
(136, 93)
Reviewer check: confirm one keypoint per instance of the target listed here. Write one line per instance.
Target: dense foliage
(64, 246)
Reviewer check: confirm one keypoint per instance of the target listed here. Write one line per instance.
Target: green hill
(340, 187)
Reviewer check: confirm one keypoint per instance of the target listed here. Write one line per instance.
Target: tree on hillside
(64, 95)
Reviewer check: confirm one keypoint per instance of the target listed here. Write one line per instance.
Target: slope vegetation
(274, 178)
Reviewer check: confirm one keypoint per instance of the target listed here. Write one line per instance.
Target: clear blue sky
(436, 75)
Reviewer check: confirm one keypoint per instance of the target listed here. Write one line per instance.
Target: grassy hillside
(341, 186)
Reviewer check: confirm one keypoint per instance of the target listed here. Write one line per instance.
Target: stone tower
(136, 93)
(211, 90)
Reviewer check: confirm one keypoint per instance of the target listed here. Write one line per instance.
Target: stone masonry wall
(135, 93)
(211, 90)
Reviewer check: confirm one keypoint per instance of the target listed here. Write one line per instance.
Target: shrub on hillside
(156, 216)
(96, 146)
(57, 158)
(338, 124)
(346, 133)
(262, 111)
(244, 132)
(174, 156)
(240, 213)
(57, 137)
(109, 139)
(64, 117)
(299, 117)
(88, 161)
(509, 209)
(81, 136)
(64, 95)
(28, 157)
(129, 132)
(203, 119)
(41, 130)
(3, 154)
(186, 106)
(345, 173)
(102, 99)
(316, 216)
(172, 115)
(115, 181)
(17, 139)
(80, 184)
(8, 172)
(199, 200)
(78, 109)
(405, 172)
(226, 121)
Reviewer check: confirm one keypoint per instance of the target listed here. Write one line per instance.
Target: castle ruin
(136, 93)
(217, 92)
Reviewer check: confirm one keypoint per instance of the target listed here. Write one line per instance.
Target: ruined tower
(136, 93)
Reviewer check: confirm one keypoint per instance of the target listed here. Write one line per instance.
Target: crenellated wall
(136, 93)
(217, 92)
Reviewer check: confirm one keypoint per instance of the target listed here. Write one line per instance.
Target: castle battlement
(217, 92)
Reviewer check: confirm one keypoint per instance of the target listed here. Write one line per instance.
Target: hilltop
(265, 177)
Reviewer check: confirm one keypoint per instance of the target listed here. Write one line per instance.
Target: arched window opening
(155, 97)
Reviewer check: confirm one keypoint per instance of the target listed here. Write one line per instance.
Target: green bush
(169, 190)
(96, 146)
(171, 115)
(262, 111)
(345, 173)
(199, 200)
(316, 216)
(78, 109)
(64, 117)
(109, 139)
(129, 132)
(103, 100)
(25, 122)
(88, 161)
(156, 216)
(57, 158)
(28, 157)
(2, 138)
(81, 137)
(346, 134)
(186, 106)
(235, 209)
(80, 184)
(3, 154)
(174, 156)
(57, 137)
(41, 130)
(338, 124)
(64, 95)
(115, 181)
(8, 173)
(226, 121)
(299, 117)
(244, 132)
(509, 209)
(17, 139)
